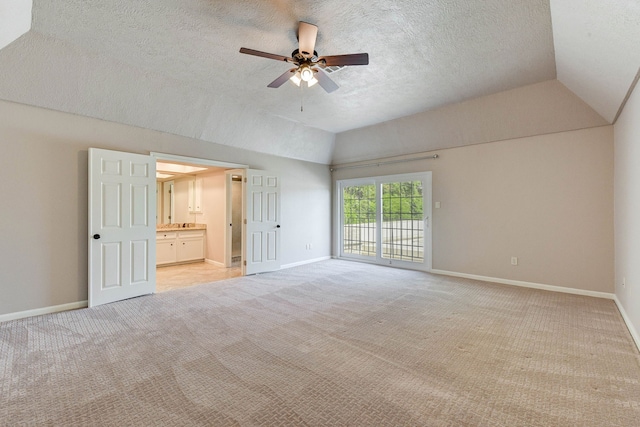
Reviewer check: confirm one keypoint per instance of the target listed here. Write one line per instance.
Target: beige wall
(627, 209)
(43, 227)
(537, 109)
(545, 199)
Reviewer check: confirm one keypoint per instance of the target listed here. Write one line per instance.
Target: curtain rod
(388, 162)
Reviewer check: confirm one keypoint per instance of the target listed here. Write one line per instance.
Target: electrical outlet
(514, 260)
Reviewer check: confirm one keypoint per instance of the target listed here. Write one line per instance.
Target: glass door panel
(402, 221)
(359, 220)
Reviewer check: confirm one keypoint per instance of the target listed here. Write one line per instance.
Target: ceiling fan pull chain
(301, 97)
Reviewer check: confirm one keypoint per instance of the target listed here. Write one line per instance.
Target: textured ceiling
(15, 20)
(597, 50)
(105, 58)
(423, 54)
(174, 65)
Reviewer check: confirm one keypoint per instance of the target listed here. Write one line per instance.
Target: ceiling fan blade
(323, 80)
(352, 59)
(265, 54)
(282, 79)
(307, 34)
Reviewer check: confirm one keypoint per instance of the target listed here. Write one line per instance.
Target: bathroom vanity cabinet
(174, 247)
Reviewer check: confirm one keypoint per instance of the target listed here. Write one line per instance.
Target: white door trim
(197, 161)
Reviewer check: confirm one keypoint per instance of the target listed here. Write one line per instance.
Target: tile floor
(184, 275)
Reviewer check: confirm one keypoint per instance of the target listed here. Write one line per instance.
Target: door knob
(278, 226)
(96, 236)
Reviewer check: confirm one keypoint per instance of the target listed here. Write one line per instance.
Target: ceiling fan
(307, 63)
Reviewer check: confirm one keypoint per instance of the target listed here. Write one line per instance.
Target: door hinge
(245, 220)
(245, 262)
(245, 179)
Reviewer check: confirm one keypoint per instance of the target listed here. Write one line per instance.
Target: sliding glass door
(387, 220)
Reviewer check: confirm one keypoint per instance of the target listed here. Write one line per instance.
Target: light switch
(437, 205)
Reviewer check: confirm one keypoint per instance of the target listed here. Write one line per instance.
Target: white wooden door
(263, 231)
(122, 229)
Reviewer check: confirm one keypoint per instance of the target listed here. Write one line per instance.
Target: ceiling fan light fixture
(306, 73)
(295, 79)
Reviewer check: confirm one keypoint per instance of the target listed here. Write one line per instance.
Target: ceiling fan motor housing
(301, 58)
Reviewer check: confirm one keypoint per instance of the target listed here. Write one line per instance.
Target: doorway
(125, 244)
(234, 203)
(198, 196)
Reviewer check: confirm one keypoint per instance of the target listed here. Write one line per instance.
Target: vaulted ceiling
(174, 65)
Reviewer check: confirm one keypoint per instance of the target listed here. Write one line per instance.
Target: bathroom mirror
(173, 199)
(166, 203)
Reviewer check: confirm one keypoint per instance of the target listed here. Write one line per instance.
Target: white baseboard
(43, 310)
(627, 321)
(532, 285)
(216, 263)
(308, 261)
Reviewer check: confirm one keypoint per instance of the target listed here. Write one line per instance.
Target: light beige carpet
(326, 344)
